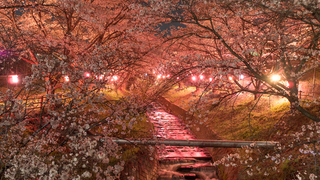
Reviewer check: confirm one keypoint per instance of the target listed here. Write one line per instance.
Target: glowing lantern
(66, 79)
(114, 78)
(14, 79)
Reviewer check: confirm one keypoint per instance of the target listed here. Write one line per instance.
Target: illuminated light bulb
(194, 78)
(159, 76)
(101, 77)
(210, 79)
(275, 77)
(201, 77)
(87, 74)
(241, 76)
(168, 75)
(163, 77)
(230, 78)
(177, 77)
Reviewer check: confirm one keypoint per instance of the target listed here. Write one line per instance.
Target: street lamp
(275, 77)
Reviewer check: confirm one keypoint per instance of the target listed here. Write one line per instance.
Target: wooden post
(314, 81)
(300, 94)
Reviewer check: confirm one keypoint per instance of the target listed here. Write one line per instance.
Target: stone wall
(144, 167)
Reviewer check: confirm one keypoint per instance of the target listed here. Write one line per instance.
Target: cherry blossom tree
(256, 39)
(78, 49)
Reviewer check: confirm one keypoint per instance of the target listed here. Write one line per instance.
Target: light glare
(14, 79)
(115, 78)
(66, 78)
(275, 77)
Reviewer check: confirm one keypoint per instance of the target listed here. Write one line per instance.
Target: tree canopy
(79, 48)
(257, 39)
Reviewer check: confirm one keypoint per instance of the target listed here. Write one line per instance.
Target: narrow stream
(179, 162)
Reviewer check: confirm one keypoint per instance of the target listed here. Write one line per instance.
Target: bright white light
(168, 75)
(201, 77)
(241, 76)
(163, 77)
(101, 77)
(14, 79)
(87, 74)
(193, 78)
(177, 77)
(159, 76)
(230, 78)
(66, 78)
(210, 79)
(275, 77)
(115, 78)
